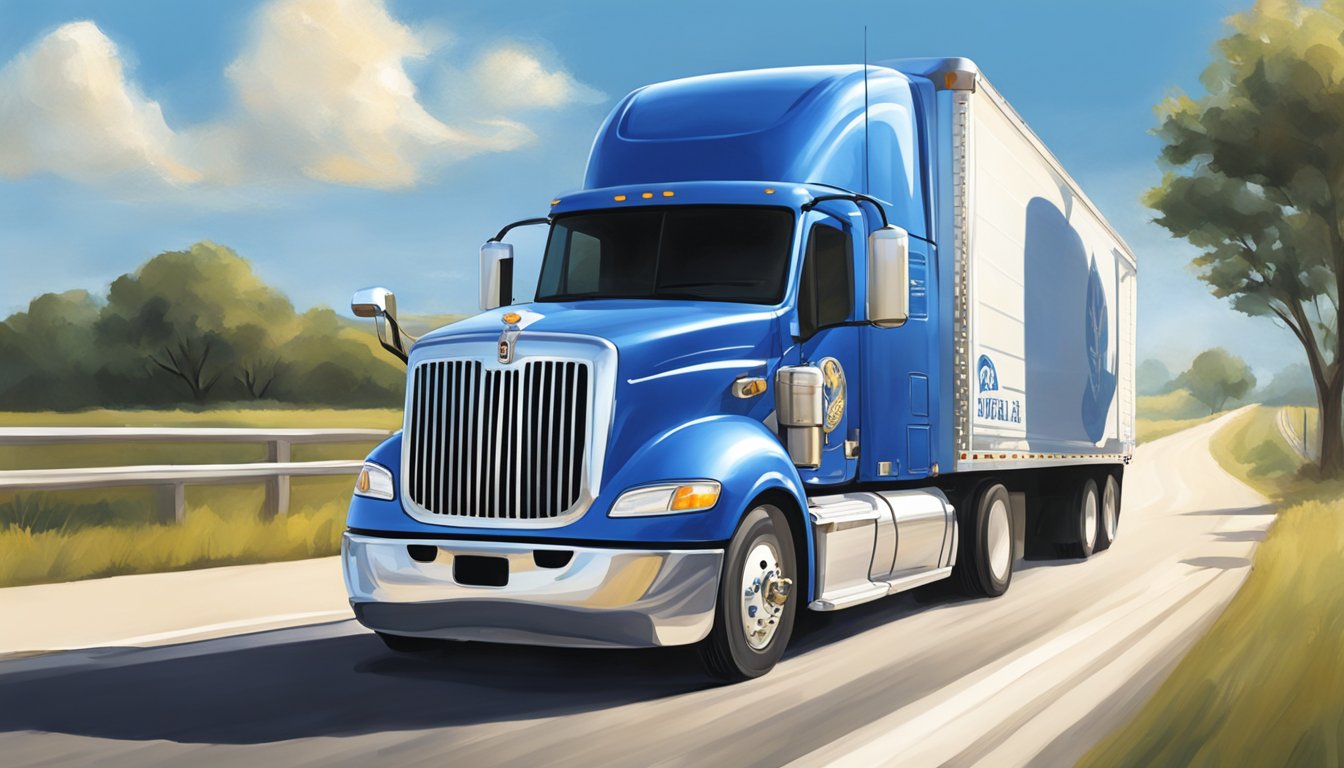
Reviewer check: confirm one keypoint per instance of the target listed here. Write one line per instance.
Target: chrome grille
(497, 443)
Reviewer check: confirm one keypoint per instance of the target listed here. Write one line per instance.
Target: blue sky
(516, 91)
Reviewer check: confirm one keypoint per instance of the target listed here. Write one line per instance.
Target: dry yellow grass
(205, 538)
(1166, 414)
(1253, 449)
(1149, 430)
(1176, 404)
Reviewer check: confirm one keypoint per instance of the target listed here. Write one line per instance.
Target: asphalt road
(926, 678)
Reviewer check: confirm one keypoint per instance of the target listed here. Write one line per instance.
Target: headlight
(666, 499)
(375, 482)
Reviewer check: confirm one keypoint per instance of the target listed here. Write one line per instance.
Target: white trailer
(1043, 292)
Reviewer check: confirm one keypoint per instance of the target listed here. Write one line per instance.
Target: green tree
(195, 324)
(1217, 376)
(1255, 179)
(331, 361)
(48, 352)
(202, 316)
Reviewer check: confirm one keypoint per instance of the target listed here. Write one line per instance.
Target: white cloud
(323, 84)
(66, 107)
(510, 77)
(321, 91)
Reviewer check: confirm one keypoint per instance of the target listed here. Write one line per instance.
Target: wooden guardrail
(170, 481)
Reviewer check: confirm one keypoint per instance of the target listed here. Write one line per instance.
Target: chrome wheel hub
(1090, 519)
(1108, 512)
(765, 589)
(999, 542)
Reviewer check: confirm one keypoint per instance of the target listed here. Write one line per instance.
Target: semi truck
(805, 338)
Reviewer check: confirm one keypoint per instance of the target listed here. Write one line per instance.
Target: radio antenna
(865, 109)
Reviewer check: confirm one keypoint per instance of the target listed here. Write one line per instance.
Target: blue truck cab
(760, 372)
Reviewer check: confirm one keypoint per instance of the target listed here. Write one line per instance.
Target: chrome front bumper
(600, 598)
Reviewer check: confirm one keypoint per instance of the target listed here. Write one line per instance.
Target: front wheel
(757, 603)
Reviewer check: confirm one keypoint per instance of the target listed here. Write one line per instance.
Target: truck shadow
(336, 680)
(266, 688)
(1264, 509)
(329, 686)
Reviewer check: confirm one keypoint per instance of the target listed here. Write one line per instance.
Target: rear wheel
(1081, 521)
(756, 608)
(408, 644)
(1109, 511)
(985, 550)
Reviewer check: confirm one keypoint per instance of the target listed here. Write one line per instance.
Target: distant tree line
(1215, 378)
(188, 327)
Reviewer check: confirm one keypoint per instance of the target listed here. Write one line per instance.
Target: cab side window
(826, 294)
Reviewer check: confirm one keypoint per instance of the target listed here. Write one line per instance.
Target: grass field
(1265, 685)
(206, 538)
(1295, 416)
(1253, 449)
(66, 535)
(1167, 414)
(1149, 430)
(1176, 404)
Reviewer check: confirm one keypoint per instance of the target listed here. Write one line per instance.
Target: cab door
(828, 337)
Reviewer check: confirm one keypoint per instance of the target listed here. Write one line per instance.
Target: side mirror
(888, 277)
(373, 302)
(496, 275)
(381, 305)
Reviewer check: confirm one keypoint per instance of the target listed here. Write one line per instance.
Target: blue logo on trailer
(993, 406)
(989, 378)
(1101, 378)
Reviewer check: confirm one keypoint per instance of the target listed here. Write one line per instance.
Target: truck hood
(652, 337)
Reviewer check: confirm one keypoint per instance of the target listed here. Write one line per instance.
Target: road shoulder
(163, 608)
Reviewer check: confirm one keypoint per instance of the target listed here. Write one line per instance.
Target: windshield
(708, 253)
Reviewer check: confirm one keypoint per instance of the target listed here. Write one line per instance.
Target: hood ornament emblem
(508, 338)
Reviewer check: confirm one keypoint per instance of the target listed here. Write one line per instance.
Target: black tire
(726, 653)
(408, 644)
(980, 572)
(1108, 511)
(1081, 521)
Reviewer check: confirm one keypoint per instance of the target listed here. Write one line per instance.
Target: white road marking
(1126, 665)
(916, 734)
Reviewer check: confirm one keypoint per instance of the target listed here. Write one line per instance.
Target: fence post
(277, 487)
(1306, 451)
(171, 502)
